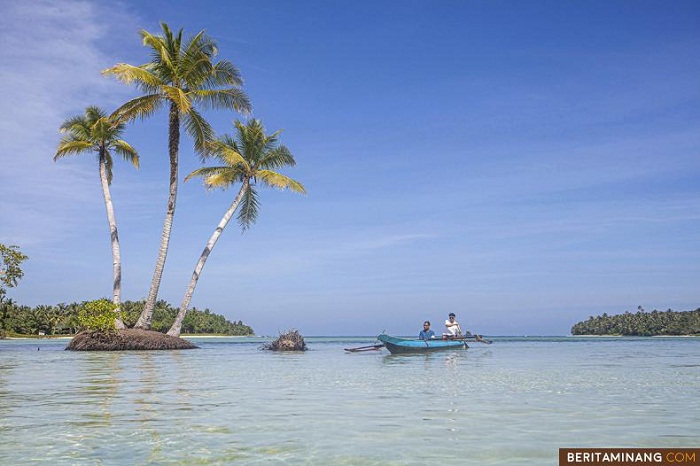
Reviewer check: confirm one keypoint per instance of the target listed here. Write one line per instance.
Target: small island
(641, 323)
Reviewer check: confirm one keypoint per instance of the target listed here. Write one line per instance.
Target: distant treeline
(62, 319)
(641, 323)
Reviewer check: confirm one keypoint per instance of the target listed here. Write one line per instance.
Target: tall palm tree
(181, 74)
(97, 133)
(249, 158)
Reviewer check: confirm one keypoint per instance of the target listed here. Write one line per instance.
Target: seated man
(452, 326)
(426, 333)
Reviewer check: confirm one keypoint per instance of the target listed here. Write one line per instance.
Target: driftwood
(290, 341)
(127, 340)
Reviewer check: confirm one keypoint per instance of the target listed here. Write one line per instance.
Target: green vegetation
(11, 259)
(97, 316)
(641, 323)
(63, 319)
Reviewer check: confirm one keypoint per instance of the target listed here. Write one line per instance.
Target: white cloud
(52, 54)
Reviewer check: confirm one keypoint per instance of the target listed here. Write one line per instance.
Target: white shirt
(452, 327)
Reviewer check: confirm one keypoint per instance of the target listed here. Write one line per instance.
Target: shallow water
(515, 402)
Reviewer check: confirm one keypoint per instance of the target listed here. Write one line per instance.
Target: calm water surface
(511, 403)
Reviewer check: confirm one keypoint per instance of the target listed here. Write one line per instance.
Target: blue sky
(523, 164)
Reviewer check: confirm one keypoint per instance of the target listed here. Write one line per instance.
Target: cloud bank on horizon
(523, 165)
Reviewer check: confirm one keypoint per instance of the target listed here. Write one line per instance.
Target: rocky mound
(290, 341)
(127, 340)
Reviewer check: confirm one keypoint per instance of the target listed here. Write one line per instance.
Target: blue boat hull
(408, 345)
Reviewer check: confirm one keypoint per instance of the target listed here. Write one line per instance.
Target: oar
(476, 337)
(480, 339)
(365, 348)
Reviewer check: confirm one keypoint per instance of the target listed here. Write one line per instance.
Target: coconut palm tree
(181, 74)
(250, 158)
(95, 132)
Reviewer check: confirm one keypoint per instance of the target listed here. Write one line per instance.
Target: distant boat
(411, 345)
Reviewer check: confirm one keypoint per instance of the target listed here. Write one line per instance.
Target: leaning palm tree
(181, 74)
(249, 158)
(95, 132)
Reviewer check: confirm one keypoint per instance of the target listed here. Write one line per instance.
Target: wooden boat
(411, 345)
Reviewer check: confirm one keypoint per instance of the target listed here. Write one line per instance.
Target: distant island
(641, 323)
(62, 319)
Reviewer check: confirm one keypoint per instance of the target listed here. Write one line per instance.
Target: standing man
(426, 333)
(452, 326)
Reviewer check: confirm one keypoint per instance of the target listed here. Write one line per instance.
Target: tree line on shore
(63, 319)
(641, 323)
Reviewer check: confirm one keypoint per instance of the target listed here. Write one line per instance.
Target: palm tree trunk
(114, 238)
(177, 325)
(173, 146)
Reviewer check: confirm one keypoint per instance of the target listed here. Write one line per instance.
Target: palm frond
(277, 180)
(69, 146)
(78, 127)
(178, 97)
(248, 208)
(126, 151)
(278, 157)
(205, 172)
(158, 44)
(197, 127)
(76, 121)
(230, 98)
(203, 43)
(223, 179)
(94, 113)
(102, 129)
(225, 73)
(142, 76)
(227, 153)
(197, 55)
(251, 138)
(140, 107)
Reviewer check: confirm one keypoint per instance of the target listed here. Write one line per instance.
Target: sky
(523, 164)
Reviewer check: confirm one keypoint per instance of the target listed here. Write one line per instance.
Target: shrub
(97, 316)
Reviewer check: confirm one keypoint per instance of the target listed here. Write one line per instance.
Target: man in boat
(426, 333)
(452, 326)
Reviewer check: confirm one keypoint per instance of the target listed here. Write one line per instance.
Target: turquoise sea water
(515, 402)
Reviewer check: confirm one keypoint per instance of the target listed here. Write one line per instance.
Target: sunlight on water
(514, 402)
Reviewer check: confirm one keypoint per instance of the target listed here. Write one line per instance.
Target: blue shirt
(426, 335)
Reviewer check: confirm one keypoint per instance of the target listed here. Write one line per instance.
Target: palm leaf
(78, 122)
(140, 107)
(178, 97)
(230, 98)
(71, 147)
(248, 208)
(277, 180)
(225, 73)
(205, 172)
(279, 157)
(144, 78)
(197, 127)
(126, 151)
